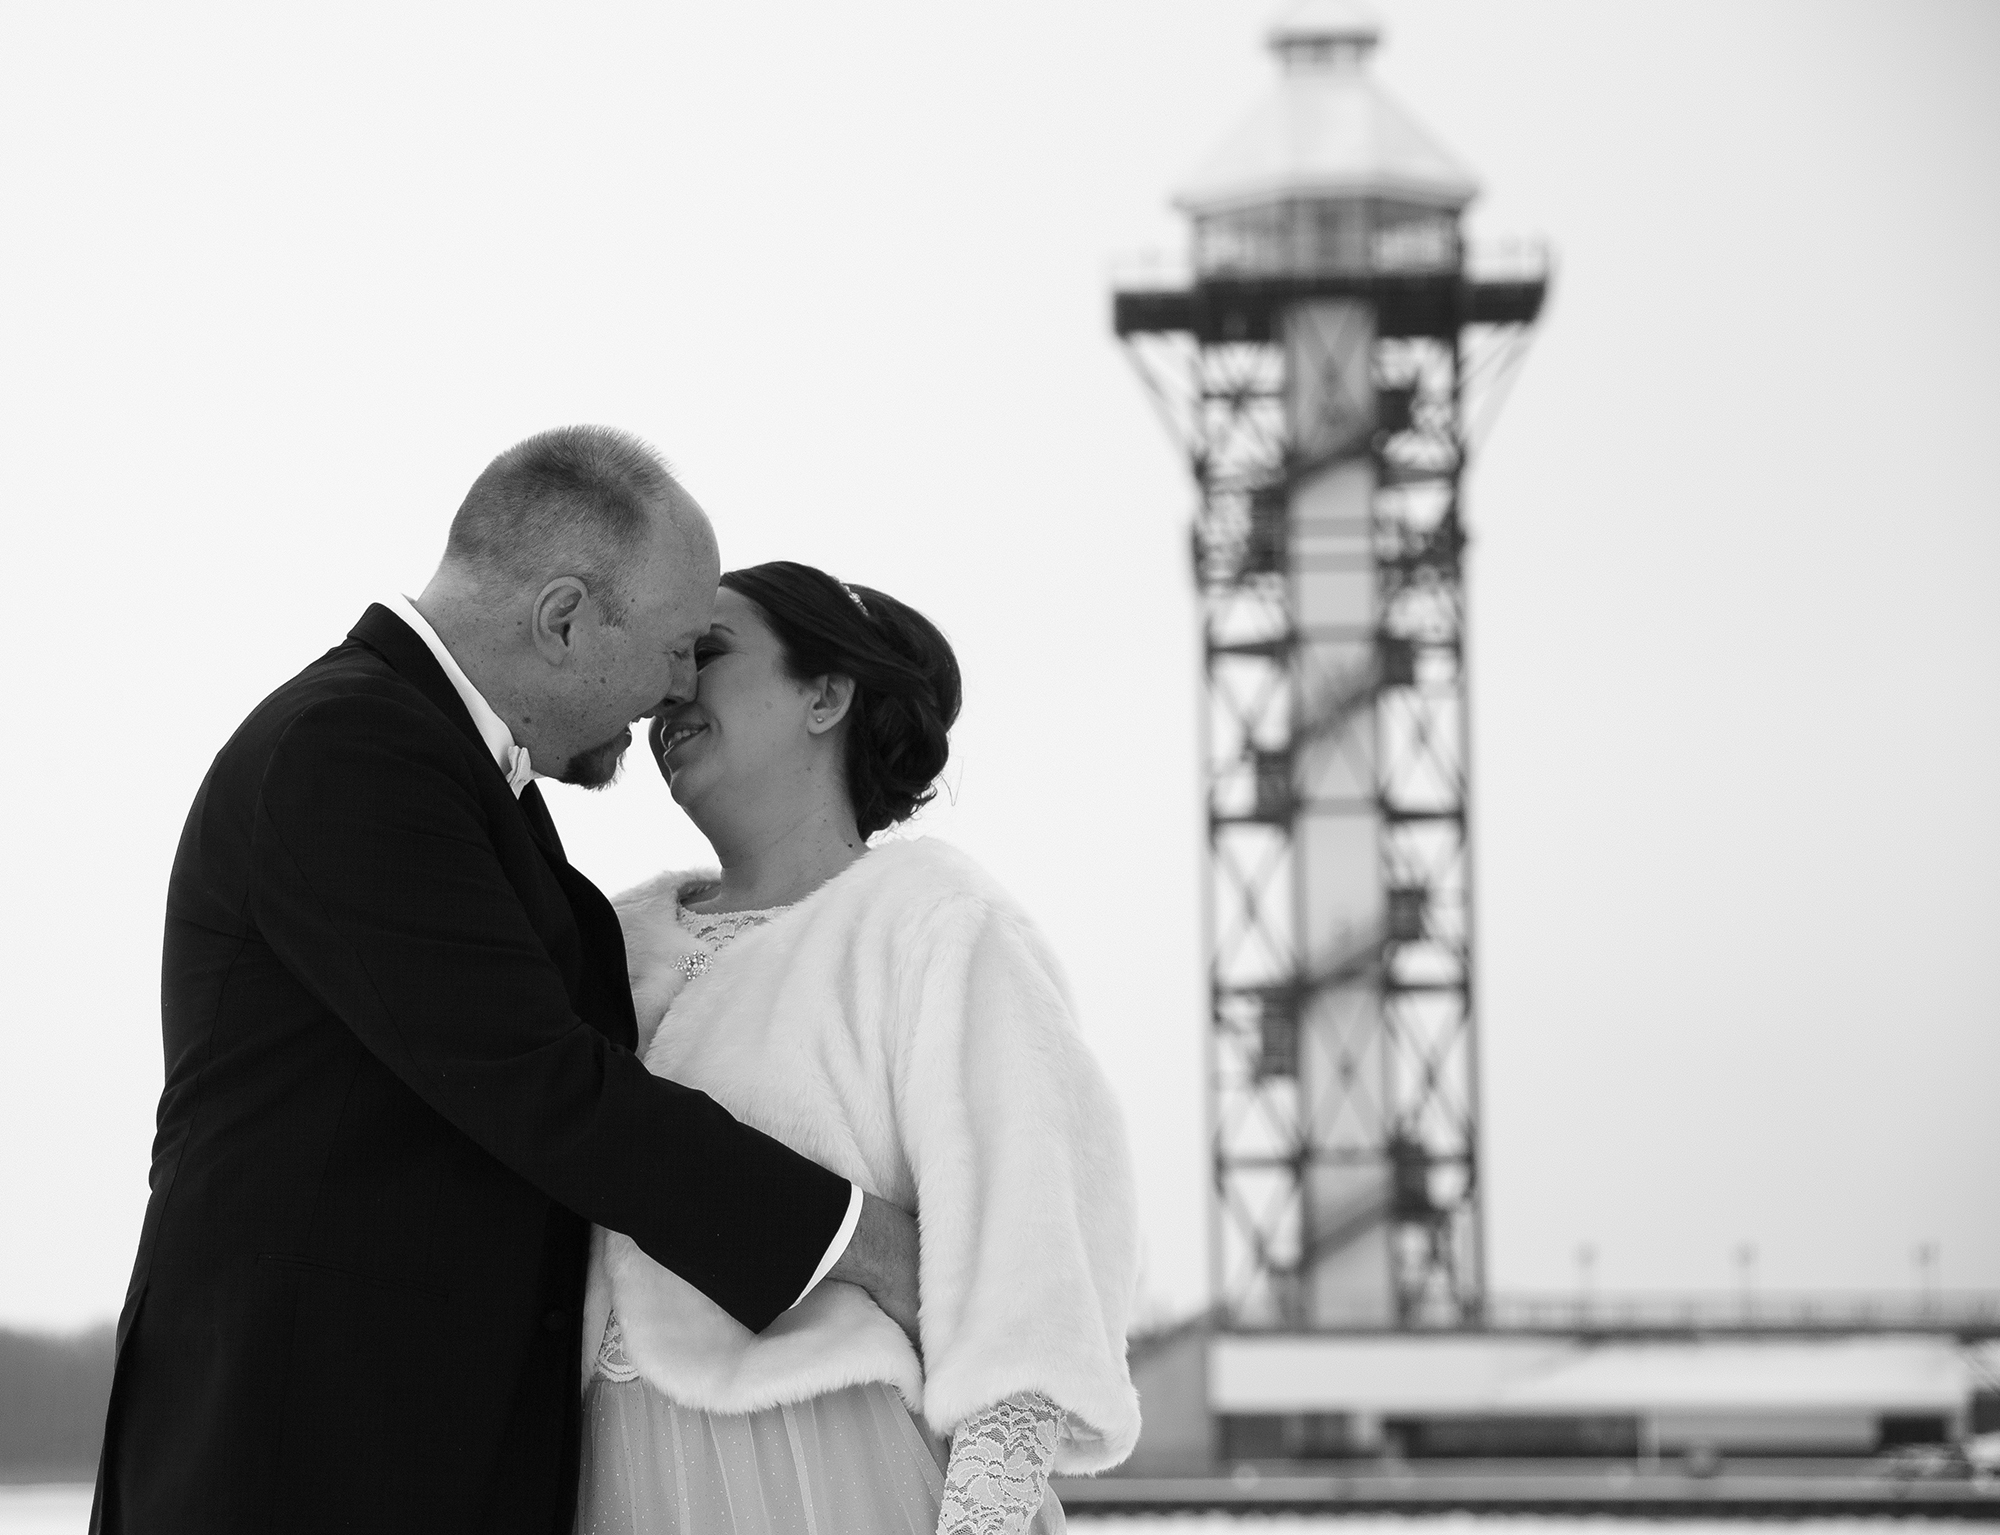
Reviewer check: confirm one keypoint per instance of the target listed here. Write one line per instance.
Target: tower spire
(1325, 32)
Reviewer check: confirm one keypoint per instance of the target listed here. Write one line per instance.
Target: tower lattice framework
(1327, 422)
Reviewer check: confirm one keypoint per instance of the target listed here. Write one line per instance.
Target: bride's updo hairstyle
(906, 684)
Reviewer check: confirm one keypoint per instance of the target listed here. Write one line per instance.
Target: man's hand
(882, 1259)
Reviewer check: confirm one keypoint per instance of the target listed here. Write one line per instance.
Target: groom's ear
(828, 703)
(553, 619)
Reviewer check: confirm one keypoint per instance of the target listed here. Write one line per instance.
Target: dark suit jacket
(399, 1085)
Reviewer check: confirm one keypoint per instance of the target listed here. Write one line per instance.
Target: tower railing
(1497, 260)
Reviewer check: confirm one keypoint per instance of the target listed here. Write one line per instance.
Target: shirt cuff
(838, 1249)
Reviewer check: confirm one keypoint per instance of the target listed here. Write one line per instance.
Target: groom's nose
(680, 683)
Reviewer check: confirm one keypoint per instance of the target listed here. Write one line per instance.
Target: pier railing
(1972, 1315)
(1965, 1313)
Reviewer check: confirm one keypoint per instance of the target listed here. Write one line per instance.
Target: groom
(399, 1070)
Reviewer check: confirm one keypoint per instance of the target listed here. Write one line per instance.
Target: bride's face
(744, 737)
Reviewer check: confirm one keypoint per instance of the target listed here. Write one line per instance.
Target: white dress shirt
(512, 759)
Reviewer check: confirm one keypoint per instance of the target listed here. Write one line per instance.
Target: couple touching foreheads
(780, 1197)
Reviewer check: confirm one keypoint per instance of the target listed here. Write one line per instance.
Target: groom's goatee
(597, 767)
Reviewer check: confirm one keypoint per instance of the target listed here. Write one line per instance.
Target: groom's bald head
(577, 579)
(575, 501)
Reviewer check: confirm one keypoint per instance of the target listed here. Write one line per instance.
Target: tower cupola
(1330, 175)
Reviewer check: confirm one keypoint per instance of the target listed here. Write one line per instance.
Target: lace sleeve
(1000, 1463)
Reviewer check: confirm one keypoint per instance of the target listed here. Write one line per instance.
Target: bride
(890, 1012)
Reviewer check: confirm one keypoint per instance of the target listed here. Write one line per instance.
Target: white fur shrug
(907, 1027)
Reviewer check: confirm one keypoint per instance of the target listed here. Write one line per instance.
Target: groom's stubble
(597, 767)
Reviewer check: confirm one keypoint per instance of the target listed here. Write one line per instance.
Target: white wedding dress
(848, 1462)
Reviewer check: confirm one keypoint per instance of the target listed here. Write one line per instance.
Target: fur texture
(907, 1027)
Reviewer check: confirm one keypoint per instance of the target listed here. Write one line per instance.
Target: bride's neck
(783, 858)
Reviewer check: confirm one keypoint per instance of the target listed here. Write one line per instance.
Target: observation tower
(1326, 368)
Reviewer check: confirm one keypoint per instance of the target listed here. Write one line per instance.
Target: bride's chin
(681, 785)
(693, 807)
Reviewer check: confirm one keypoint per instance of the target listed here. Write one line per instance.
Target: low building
(1218, 1398)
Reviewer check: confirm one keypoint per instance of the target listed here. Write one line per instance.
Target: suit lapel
(383, 632)
(593, 935)
(603, 997)
(536, 813)
(403, 648)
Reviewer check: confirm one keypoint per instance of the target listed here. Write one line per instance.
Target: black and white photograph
(1189, 767)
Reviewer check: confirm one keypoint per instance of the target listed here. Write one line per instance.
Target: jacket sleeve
(375, 880)
(1025, 1196)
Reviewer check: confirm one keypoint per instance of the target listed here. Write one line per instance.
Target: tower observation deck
(1326, 368)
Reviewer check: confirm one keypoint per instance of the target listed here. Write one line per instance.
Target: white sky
(277, 281)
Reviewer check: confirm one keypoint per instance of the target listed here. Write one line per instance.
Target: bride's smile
(668, 737)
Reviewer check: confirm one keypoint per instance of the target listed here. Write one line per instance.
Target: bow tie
(520, 771)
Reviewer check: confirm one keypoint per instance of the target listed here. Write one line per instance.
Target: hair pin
(855, 597)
